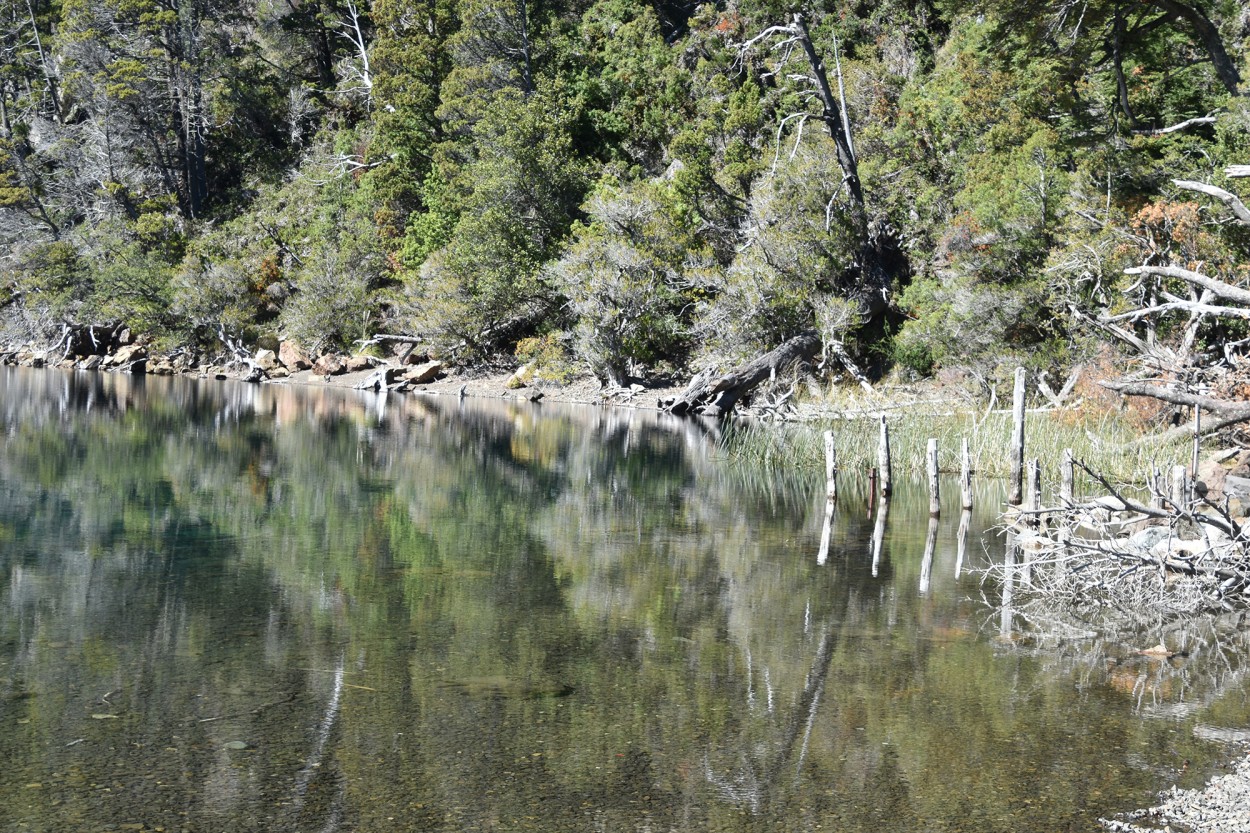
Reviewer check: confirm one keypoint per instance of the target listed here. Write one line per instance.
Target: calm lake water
(257, 608)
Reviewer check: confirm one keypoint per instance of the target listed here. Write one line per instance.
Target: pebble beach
(1222, 806)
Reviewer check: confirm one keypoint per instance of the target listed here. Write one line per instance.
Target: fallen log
(717, 394)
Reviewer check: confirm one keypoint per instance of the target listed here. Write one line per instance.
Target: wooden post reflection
(926, 564)
(1009, 587)
(831, 497)
(878, 534)
(965, 523)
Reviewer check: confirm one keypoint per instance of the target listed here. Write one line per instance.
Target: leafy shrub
(548, 357)
(331, 304)
(625, 280)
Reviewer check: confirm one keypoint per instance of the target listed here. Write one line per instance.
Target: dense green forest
(624, 187)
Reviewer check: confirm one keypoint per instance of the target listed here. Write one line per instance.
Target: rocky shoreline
(116, 350)
(1222, 806)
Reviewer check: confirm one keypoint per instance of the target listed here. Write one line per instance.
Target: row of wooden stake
(882, 475)
(1021, 490)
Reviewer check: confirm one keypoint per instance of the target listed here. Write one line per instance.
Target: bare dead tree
(1199, 365)
(359, 71)
(879, 256)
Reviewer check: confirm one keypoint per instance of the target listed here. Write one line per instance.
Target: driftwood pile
(1184, 550)
(1186, 546)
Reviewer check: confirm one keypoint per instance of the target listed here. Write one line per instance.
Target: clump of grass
(1105, 442)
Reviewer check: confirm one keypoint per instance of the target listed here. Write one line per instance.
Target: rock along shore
(1222, 806)
(288, 364)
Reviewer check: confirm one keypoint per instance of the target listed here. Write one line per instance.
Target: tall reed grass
(1106, 443)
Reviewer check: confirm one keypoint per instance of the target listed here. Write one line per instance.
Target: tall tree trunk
(1117, 56)
(880, 257)
(1209, 36)
(835, 121)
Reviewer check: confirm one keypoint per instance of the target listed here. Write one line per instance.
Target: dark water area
(257, 608)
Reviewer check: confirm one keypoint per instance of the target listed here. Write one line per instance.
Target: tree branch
(1176, 304)
(1231, 200)
(1221, 289)
(1219, 407)
(1187, 123)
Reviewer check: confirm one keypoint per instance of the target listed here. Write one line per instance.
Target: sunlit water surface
(259, 608)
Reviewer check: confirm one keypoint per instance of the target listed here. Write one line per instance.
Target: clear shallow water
(229, 607)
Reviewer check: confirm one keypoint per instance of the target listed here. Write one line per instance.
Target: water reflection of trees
(485, 611)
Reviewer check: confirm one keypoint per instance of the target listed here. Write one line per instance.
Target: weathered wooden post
(831, 468)
(1178, 486)
(883, 459)
(1015, 495)
(965, 476)
(1034, 501)
(935, 503)
(1067, 478)
(1193, 471)
(1156, 488)
(831, 497)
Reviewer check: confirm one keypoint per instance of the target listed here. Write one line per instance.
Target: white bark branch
(1187, 123)
(1179, 305)
(1231, 200)
(1222, 290)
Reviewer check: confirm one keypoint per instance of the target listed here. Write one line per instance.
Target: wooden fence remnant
(831, 497)
(965, 476)
(1015, 494)
(931, 455)
(1067, 478)
(883, 459)
(1034, 502)
(1179, 486)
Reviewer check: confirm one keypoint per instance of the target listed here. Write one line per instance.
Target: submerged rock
(1222, 806)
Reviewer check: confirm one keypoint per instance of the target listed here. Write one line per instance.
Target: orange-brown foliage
(1107, 365)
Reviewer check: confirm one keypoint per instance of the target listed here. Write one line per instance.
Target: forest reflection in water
(233, 607)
